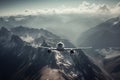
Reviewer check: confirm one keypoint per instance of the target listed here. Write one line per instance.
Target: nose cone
(60, 46)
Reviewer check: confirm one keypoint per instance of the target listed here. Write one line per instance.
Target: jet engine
(72, 51)
(49, 51)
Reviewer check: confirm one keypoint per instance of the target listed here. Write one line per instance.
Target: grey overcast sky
(16, 6)
(47, 3)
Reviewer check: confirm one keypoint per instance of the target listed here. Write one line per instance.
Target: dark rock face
(103, 35)
(20, 61)
(112, 65)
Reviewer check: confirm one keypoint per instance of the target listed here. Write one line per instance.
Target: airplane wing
(78, 48)
(70, 49)
(67, 48)
(51, 48)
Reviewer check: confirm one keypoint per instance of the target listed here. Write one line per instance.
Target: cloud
(118, 5)
(104, 9)
(84, 8)
(116, 9)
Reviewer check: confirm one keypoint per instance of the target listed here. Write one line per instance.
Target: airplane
(61, 47)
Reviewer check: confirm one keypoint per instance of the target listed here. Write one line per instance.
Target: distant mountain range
(106, 34)
(13, 21)
(38, 36)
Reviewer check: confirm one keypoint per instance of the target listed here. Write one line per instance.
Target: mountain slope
(112, 65)
(24, 62)
(38, 36)
(103, 35)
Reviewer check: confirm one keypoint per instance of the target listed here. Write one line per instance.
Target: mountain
(103, 35)
(112, 65)
(4, 34)
(22, 61)
(105, 42)
(35, 33)
(13, 21)
(37, 36)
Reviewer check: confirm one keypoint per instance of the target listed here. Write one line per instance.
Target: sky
(9, 7)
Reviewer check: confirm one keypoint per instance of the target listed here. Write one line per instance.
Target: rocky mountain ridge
(24, 62)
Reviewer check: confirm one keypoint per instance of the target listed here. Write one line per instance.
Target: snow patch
(65, 63)
(109, 53)
(113, 54)
(19, 19)
(62, 60)
(116, 22)
(35, 45)
(27, 38)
